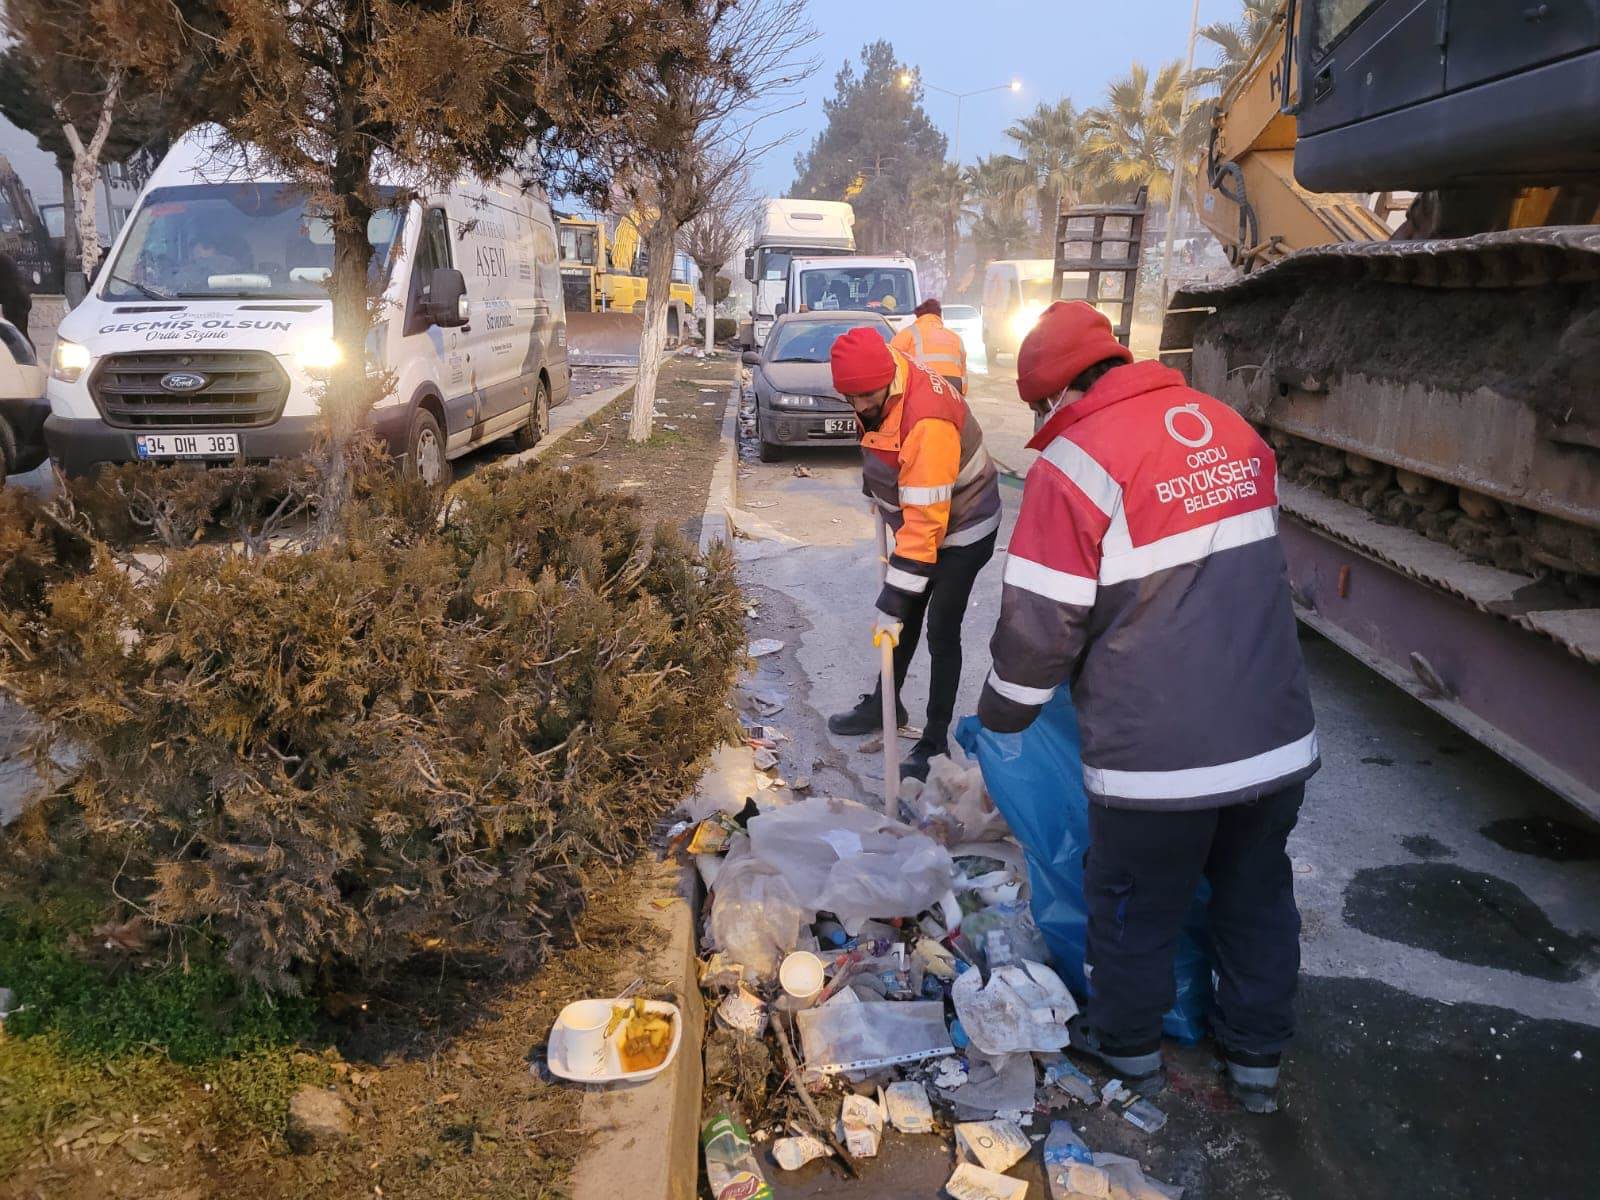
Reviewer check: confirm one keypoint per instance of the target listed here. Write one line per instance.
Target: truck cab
(786, 230)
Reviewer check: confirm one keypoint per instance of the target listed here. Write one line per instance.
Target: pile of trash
(887, 972)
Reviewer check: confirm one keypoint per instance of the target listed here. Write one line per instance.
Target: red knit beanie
(1069, 338)
(861, 362)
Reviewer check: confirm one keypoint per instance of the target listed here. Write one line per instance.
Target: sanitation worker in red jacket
(924, 465)
(1145, 573)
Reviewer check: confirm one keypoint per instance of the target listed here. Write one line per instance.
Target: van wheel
(425, 457)
(538, 423)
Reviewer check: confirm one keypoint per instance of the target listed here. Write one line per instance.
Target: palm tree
(997, 186)
(1049, 141)
(1000, 235)
(1129, 140)
(1235, 41)
(938, 199)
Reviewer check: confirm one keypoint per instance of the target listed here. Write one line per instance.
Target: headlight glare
(69, 360)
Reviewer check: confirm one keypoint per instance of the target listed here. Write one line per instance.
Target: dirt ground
(671, 472)
(444, 1077)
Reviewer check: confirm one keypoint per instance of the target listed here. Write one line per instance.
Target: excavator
(603, 285)
(1408, 192)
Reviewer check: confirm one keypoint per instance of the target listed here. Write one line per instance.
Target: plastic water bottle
(1062, 1148)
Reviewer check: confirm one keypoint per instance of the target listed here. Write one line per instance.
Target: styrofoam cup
(801, 975)
(585, 1024)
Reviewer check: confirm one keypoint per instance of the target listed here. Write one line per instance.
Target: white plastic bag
(847, 859)
(756, 918)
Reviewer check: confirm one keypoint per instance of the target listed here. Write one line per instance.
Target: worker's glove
(888, 627)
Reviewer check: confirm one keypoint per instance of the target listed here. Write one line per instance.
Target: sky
(1055, 47)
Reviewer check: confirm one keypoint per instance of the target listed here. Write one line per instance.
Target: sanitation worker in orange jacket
(924, 465)
(939, 349)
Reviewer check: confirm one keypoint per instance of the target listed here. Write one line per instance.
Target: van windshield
(877, 289)
(236, 240)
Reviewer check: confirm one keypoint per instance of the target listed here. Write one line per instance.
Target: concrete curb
(646, 1137)
(567, 417)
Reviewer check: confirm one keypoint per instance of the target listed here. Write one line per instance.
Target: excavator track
(1435, 406)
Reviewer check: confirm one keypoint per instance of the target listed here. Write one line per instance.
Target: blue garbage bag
(1036, 781)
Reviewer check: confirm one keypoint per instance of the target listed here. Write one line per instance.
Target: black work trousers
(1139, 879)
(943, 606)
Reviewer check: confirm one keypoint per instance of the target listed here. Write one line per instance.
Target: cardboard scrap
(861, 1126)
(907, 1105)
(974, 1183)
(996, 1145)
(792, 1153)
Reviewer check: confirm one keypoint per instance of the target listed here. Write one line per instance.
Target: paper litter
(994, 1145)
(792, 1153)
(744, 1012)
(974, 1183)
(861, 1126)
(907, 1105)
(1129, 1182)
(762, 647)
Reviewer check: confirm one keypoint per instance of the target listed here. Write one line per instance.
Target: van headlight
(69, 360)
(1025, 319)
(318, 354)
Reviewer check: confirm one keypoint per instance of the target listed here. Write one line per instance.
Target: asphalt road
(1450, 997)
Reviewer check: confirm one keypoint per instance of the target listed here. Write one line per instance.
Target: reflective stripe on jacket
(1145, 570)
(927, 470)
(927, 341)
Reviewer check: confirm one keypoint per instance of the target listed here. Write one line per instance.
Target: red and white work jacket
(1145, 571)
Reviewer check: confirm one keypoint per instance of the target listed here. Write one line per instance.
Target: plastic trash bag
(756, 918)
(839, 1037)
(1036, 780)
(1023, 1007)
(844, 858)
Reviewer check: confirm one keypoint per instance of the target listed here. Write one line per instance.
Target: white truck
(208, 329)
(786, 229)
(885, 284)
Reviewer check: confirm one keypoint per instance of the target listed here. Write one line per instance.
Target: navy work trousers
(1139, 880)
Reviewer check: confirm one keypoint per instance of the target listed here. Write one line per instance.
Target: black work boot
(1252, 1079)
(865, 717)
(928, 747)
(1137, 1066)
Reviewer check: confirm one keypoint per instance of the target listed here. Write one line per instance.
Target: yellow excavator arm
(1248, 195)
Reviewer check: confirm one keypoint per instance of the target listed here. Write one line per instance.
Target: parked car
(796, 404)
(23, 407)
(209, 330)
(966, 322)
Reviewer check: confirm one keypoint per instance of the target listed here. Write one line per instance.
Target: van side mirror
(779, 309)
(447, 298)
(751, 358)
(750, 265)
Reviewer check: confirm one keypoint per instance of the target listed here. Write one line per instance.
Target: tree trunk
(662, 234)
(708, 282)
(86, 169)
(71, 251)
(347, 395)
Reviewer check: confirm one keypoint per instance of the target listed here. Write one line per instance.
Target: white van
(209, 324)
(882, 284)
(1015, 292)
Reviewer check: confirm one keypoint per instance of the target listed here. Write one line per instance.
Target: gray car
(796, 404)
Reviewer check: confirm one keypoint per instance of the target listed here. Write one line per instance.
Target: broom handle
(891, 739)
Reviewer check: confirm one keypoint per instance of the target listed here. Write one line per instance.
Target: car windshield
(235, 240)
(960, 312)
(877, 289)
(810, 341)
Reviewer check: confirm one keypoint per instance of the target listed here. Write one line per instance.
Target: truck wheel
(538, 423)
(8, 450)
(425, 458)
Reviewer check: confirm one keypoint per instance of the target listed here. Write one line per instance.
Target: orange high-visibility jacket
(926, 468)
(939, 349)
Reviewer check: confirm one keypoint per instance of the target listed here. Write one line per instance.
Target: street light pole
(1177, 158)
(1015, 85)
